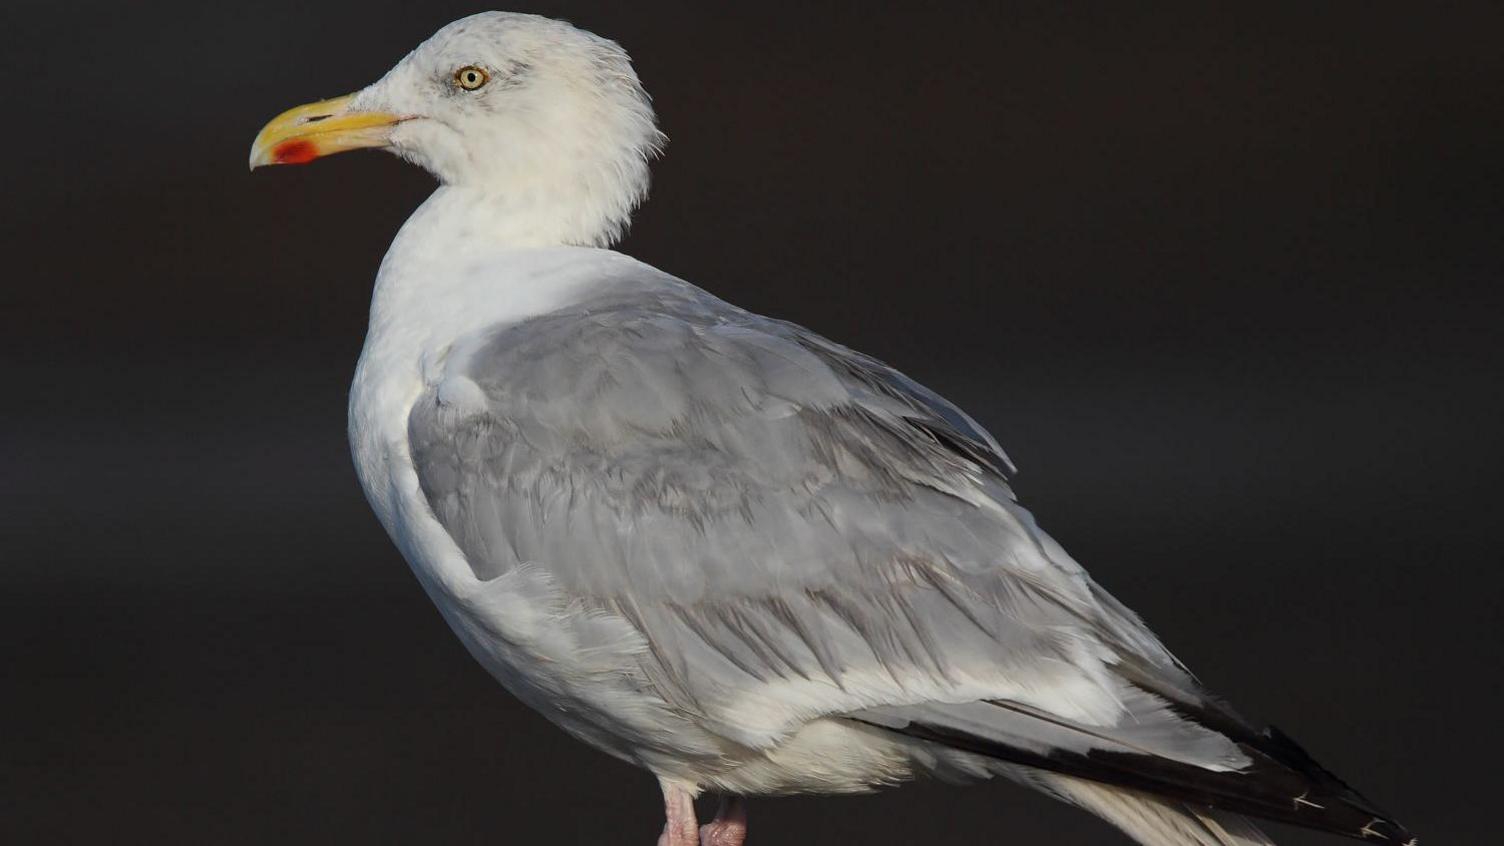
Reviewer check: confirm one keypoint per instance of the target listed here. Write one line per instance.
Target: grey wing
(799, 531)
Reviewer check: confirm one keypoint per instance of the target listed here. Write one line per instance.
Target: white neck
(463, 219)
(464, 254)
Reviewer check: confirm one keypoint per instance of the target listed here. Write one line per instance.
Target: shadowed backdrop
(1225, 283)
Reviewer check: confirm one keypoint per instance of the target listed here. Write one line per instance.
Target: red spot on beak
(295, 152)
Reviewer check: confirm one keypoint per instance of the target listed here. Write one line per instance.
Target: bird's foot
(729, 828)
(679, 825)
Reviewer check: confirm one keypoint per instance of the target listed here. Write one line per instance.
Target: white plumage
(716, 545)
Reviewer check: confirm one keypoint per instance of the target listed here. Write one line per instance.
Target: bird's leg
(729, 828)
(679, 825)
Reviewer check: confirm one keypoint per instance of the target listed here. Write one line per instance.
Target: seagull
(716, 545)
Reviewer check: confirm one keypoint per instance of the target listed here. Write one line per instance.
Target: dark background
(1225, 283)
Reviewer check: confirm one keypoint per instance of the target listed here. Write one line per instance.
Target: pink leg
(729, 828)
(679, 825)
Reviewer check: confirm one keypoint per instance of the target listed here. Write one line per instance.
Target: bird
(717, 545)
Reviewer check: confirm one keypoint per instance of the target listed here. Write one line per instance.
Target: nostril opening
(316, 118)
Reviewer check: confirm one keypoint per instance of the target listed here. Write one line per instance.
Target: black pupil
(471, 77)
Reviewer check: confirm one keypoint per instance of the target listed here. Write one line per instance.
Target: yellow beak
(300, 135)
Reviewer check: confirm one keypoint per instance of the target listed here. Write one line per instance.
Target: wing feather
(799, 531)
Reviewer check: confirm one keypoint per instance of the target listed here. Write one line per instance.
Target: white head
(544, 121)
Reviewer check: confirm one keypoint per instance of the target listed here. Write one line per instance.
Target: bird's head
(547, 118)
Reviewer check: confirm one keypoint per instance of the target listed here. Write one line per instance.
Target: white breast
(441, 282)
(434, 294)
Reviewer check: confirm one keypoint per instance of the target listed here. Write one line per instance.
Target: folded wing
(800, 532)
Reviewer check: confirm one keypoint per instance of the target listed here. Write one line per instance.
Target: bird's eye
(470, 77)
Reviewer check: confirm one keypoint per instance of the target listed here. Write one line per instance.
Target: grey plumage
(773, 512)
(771, 503)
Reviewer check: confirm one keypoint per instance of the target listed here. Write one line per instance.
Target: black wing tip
(1325, 803)
(1380, 827)
(1274, 789)
(1385, 831)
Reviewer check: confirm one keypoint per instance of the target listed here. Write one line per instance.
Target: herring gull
(716, 545)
